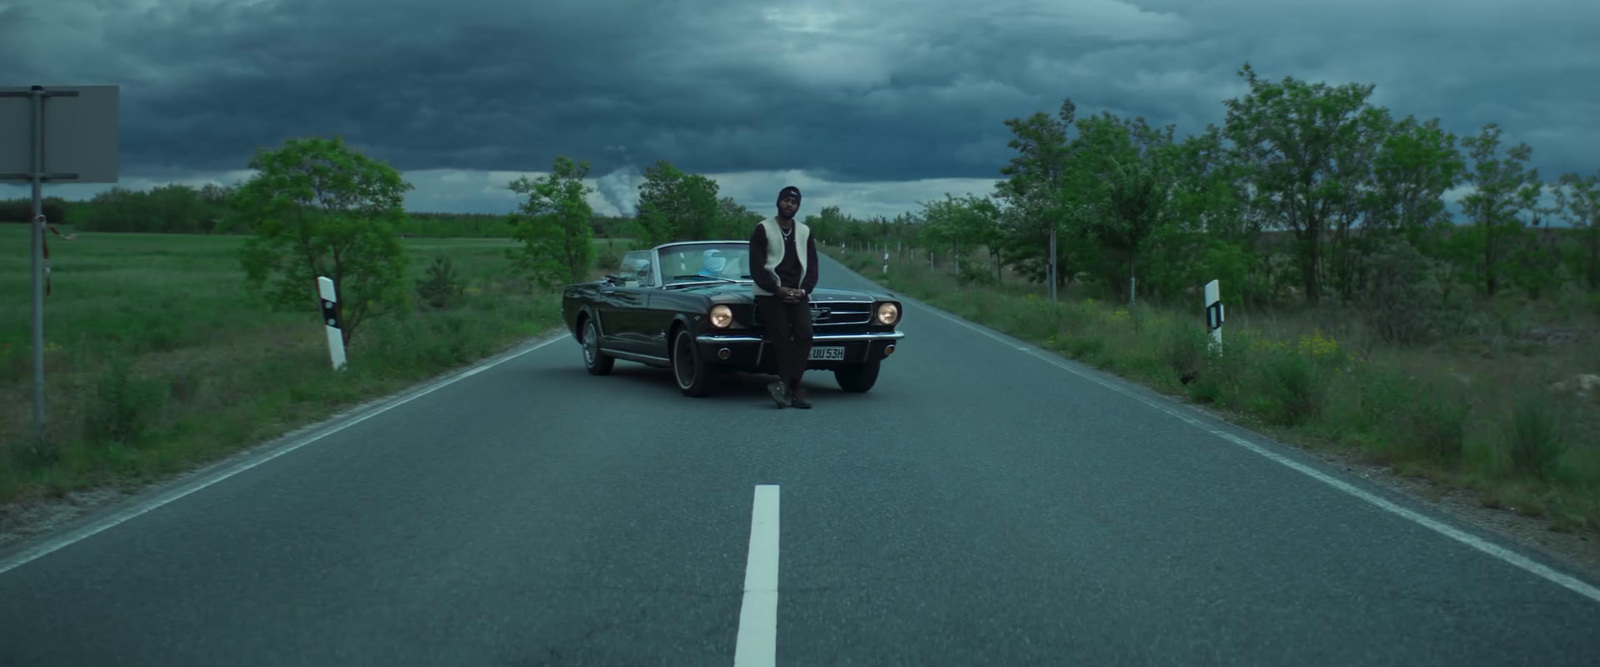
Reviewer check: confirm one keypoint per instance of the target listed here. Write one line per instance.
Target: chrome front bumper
(751, 351)
(817, 338)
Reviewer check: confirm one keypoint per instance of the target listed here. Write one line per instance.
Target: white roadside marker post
(1214, 314)
(330, 321)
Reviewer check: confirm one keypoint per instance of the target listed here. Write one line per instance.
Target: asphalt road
(981, 506)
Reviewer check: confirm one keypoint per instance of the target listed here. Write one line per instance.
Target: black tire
(857, 378)
(594, 361)
(692, 374)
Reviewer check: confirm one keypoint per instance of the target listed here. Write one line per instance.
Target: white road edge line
(1505, 555)
(758, 615)
(68, 539)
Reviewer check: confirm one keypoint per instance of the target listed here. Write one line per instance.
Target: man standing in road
(784, 276)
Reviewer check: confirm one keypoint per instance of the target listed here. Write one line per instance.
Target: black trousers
(788, 334)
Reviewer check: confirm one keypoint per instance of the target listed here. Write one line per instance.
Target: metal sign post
(71, 139)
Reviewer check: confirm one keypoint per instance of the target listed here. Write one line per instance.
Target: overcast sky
(871, 105)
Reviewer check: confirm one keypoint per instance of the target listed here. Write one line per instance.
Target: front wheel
(594, 361)
(693, 374)
(857, 378)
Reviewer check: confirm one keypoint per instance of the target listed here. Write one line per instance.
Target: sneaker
(800, 398)
(779, 393)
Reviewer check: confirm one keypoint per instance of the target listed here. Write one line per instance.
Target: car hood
(730, 292)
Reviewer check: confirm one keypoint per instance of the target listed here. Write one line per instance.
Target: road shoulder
(1577, 551)
(28, 526)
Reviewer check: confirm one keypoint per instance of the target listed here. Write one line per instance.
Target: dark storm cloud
(893, 90)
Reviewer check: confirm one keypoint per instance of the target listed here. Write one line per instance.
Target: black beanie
(790, 190)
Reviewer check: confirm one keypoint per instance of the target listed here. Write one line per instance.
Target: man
(784, 277)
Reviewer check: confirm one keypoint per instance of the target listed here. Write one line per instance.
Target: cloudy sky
(871, 105)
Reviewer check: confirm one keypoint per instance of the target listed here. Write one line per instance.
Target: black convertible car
(690, 306)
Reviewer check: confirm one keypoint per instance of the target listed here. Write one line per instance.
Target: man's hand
(791, 295)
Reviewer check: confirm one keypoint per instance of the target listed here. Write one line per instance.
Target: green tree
(1502, 188)
(1035, 188)
(1298, 140)
(960, 225)
(675, 205)
(1121, 165)
(214, 199)
(1210, 233)
(734, 220)
(1416, 165)
(1352, 183)
(319, 208)
(555, 224)
(1578, 202)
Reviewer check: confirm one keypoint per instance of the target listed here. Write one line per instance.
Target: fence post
(330, 320)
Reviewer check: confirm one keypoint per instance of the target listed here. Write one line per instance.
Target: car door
(623, 306)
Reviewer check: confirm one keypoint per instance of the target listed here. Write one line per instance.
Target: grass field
(157, 361)
(1476, 413)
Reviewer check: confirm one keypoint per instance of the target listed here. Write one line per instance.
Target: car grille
(831, 314)
(840, 314)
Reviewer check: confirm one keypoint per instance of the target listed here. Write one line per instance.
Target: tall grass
(156, 360)
(1475, 412)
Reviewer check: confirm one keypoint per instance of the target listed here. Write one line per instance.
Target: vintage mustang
(690, 306)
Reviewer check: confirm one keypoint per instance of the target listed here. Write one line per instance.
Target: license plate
(827, 354)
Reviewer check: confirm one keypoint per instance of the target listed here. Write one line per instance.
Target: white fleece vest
(775, 246)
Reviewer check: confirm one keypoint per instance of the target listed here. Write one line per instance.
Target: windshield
(701, 262)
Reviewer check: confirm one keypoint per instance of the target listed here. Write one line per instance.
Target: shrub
(1292, 389)
(441, 288)
(1184, 347)
(608, 259)
(1535, 438)
(1406, 300)
(1434, 421)
(125, 405)
(975, 273)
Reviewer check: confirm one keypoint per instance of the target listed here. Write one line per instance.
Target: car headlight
(721, 316)
(888, 313)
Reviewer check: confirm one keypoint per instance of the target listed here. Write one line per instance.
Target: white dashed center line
(758, 617)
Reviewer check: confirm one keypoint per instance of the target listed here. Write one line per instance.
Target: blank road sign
(80, 134)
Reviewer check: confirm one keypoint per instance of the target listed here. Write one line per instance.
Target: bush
(1085, 348)
(608, 259)
(1184, 347)
(442, 287)
(21, 210)
(1434, 421)
(1535, 438)
(1292, 389)
(125, 405)
(1223, 372)
(976, 274)
(1406, 300)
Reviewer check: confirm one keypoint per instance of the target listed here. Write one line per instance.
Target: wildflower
(1317, 346)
